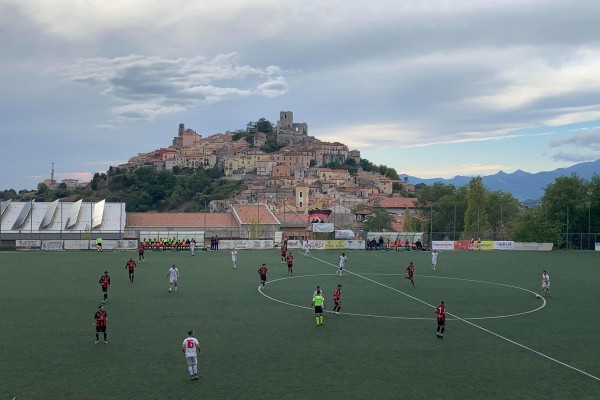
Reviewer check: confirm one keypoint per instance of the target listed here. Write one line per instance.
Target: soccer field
(501, 342)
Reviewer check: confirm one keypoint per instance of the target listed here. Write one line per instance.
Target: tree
(379, 220)
(475, 214)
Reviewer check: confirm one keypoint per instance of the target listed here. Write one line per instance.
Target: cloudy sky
(434, 88)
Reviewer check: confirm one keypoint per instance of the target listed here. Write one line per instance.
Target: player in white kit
(341, 264)
(545, 284)
(234, 258)
(191, 348)
(173, 275)
(306, 248)
(434, 256)
(193, 247)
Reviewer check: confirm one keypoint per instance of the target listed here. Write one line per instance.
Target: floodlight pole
(431, 227)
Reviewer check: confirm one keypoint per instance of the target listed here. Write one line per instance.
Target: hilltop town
(300, 176)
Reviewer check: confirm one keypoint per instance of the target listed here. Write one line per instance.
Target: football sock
(105, 337)
(317, 318)
(97, 337)
(442, 330)
(195, 369)
(191, 371)
(321, 319)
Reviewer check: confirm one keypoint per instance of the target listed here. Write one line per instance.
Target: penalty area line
(470, 323)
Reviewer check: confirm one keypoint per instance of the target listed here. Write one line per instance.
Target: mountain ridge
(524, 186)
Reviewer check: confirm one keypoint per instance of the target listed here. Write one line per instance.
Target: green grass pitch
(259, 347)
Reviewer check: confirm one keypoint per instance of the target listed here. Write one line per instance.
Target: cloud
(582, 145)
(146, 87)
(105, 127)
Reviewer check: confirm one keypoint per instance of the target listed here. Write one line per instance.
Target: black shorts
(338, 303)
(101, 329)
(441, 322)
(105, 289)
(263, 278)
(131, 271)
(318, 310)
(99, 245)
(290, 265)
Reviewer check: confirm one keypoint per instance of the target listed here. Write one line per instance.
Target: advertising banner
(442, 245)
(295, 244)
(80, 244)
(28, 244)
(118, 245)
(323, 228)
(504, 245)
(486, 245)
(52, 245)
(355, 244)
(597, 248)
(461, 245)
(345, 234)
(246, 244)
(533, 246)
(335, 244)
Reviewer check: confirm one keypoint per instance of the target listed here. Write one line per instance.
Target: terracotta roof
(248, 214)
(398, 202)
(183, 220)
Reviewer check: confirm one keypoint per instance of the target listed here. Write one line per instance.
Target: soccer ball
(537, 296)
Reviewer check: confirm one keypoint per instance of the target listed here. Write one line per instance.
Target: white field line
(471, 323)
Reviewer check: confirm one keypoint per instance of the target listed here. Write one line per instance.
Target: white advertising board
(504, 245)
(442, 245)
(246, 244)
(52, 245)
(28, 244)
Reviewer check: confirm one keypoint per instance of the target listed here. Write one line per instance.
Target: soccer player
(100, 322)
(545, 283)
(290, 264)
(441, 320)
(479, 243)
(98, 244)
(141, 249)
(319, 303)
(191, 348)
(341, 264)
(472, 243)
(283, 253)
(131, 267)
(234, 258)
(317, 290)
(410, 273)
(105, 284)
(306, 248)
(173, 275)
(262, 271)
(434, 256)
(193, 247)
(337, 300)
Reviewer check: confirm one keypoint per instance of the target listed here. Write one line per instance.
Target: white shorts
(545, 285)
(173, 280)
(191, 361)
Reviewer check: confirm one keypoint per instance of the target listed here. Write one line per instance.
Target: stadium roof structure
(61, 216)
(180, 220)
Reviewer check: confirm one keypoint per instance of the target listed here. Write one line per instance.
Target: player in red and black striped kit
(100, 322)
(410, 273)
(105, 284)
(441, 319)
(337, 300)
(290, 264)
(262, 271)
(130, 266)
(283, 252)
(141, 249)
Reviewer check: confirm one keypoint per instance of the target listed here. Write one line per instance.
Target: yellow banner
(487, 245)
(334, 244)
